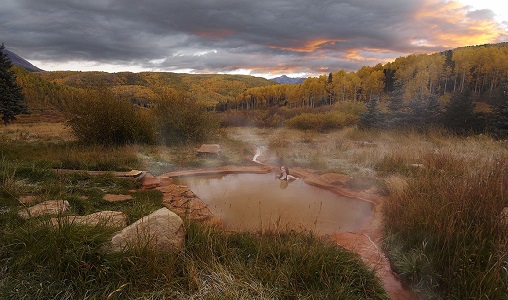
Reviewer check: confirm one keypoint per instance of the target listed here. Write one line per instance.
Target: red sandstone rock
(181, 200)
(372, 256)
(151, 183)
(133, 173)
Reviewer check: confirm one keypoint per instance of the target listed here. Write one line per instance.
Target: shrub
(349, 107)
(270, 117)
(180, 120)
(102, 119)
(277, 116)
(322, 122)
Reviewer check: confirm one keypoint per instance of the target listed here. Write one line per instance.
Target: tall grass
(445, 230)
(280, 265)
(69, 262)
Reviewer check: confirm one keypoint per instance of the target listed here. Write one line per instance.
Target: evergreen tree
(372, 118)
(415, 112)
(501, 122)
(422, 112)
(396, 116)
(459, 116)
(389, 80)
(432, 111)
(11, 96)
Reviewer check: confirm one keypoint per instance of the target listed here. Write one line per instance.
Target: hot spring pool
(262, 202)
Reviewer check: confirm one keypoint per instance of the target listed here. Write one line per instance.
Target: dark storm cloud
(226, 35)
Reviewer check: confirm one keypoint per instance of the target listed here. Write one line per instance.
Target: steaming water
(259, 151)
(262, 202)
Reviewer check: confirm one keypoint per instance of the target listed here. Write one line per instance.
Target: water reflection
(262, 202)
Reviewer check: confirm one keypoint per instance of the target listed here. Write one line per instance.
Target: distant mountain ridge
(288, 80)
(21, 62)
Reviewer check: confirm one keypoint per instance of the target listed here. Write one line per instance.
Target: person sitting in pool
(284, 174)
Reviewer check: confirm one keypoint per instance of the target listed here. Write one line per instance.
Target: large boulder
(50, 207)
(106, 218)
(162, 230)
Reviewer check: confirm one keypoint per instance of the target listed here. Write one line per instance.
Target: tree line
(420, 90)
(481, 70)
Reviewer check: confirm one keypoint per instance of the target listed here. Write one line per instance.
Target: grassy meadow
(443, 230)
(41, 261)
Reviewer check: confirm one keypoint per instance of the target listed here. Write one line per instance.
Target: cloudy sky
(257, 37)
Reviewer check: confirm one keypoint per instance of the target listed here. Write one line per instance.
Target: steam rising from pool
(262, 202)
(259, 151)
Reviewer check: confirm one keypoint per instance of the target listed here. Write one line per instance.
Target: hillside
(140, 88)
(17, 60)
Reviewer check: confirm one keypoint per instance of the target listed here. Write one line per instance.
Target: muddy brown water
(262, 202)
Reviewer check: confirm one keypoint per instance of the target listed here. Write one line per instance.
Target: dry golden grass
(355, 152)
(43, 131)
